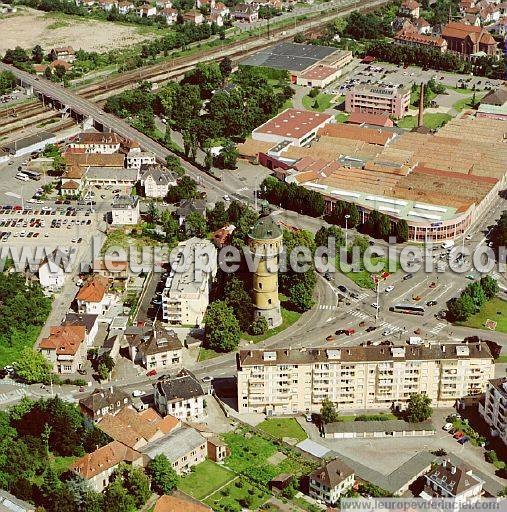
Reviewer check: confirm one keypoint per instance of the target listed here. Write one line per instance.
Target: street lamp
(347, 217)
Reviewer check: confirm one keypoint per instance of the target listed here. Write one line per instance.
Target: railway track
(170, 69)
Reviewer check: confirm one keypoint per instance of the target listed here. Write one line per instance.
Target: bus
(32, 175)
(408, 309)
(21, 176)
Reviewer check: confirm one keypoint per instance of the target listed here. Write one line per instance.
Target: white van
(22, 177)
(448, 244)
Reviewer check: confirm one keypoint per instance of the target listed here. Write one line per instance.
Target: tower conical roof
(265, 228)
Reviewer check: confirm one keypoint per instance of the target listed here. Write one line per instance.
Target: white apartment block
(186, 293)
(286, 381)
(125, 211)
(494, 408)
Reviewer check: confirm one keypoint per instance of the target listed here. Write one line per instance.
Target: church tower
(265, 241)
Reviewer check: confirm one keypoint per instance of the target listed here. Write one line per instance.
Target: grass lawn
(250, 454)
(11, 353)
(495, 309)
(283, 427)
(466, 102)
(363, 277)
(288, 318)
(61, 464)
(238, 495)
(414, 96)
(501, 359)
(461, 91)
(341, 117)
(319, 103)
(205, 478)
(431, 121)
(206, 353)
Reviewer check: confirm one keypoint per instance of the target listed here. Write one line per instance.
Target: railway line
(10, 119)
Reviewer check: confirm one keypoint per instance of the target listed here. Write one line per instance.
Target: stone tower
(265, 241)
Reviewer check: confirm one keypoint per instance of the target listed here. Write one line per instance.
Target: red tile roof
(179, 504)
(366, 118)
(94, 290)
(65, 339)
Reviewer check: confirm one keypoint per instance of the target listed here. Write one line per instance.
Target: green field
(207, 353)
(320, 103)
(288, 318)
(11, 353)
(363, 278)
(495, 309)
(341, 117)
(238, 495)
(431, 121)
(283, 427)
(205, 479)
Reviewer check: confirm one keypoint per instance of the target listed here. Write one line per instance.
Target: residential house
(184, 447)
(125, 211)
(205, 3)
(97, 142)
(220, 8)
(245, 12)
(146, 11)
(187, 206)
(104, 401)
(111, 268)
(65, 53)
(154, 349)
(217, 449)
(93, 298)
(125, 7)
(163, 4)
(223, 236)
(414, 38)
(171, 16)
(331, 481)
(73, 181)
(216, 18)
(89, 322)
(497, 97)
(135, 157)
(137, 429)
(180, 503)
(107, 5)
(493, 408)
(447, 480)
(181, 396)
(423, 27)
(53, 268)
(467, 40)
(402, 23)
(65, 348)
(97, 467)
(156, 180)
(194, 16)
(67, 66)
(471, 19)
(409, 8)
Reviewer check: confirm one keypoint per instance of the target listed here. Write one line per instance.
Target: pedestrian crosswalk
(360, 297)
(390, 327)
(437, 328)
(358, 314)
(11, 395)
(327, 307)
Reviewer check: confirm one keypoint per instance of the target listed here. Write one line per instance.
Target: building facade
(378, 99)
(125, 211)
(330, 481)
(285, 381)
(494, 408)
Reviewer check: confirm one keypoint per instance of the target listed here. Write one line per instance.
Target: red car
(151, 373)
(458, 435)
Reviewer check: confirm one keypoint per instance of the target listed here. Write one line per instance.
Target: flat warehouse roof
(289, 56)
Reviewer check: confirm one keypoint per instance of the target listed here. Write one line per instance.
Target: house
(97, 467)
(184, 447)
(97, 142)
(170, 15)
(156, 180)
(467, 40)
(104, 401)
(423, 27)
(146, 10)
(281, 482)
(413, 38)
(216, 18)
(107, 5)
(89, 322)
(497, 97)
(163, 4)
(194, 16)
(154, 349)
(471, 19)
(137, 429)
(217, 449)
(363, 118)
(447, 480)
(65, 53)
(180, 503)
(125, 211)
(125, 7)
(409, 8)
(223, 236)
(111, 268)
(245, 12)
(53, 268)
(93, 298)
(8, 502)
(187, 206)
(73, 181)
(220, 8)
(181, 396)
(205, 3)
(65, 348)
(330, 481)
(135, 157)
(67, 66)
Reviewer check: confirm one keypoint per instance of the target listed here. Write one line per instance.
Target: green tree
(301, 297)
(217, 218)
(418, 408)
(324, 233)
(48, 74)
(361, 242)
(222, 329)
(225, 67)
(103, 371)
(7, 82)
(170, 226)
(259, 326)
(490, 286)
(185, 188)
(153, 212)
(462, 307)
(136, 483)
(237, 297)
(117, 499)
(477, 294)
(163, 476)
(401, 231)
(195, 225)
(174, 166)
(328, 411)
(33, 367)
(228, 156)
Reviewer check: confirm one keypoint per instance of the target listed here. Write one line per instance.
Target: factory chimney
(421, 107)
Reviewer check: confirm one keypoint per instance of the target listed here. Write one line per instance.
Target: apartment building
(186, 293)
(378, 99)
(287, 381)
(93, 142)
(125, 211)
(494, 407)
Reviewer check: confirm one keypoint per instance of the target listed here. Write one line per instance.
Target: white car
(447, 427)
(137, 392)
(226, 198)
(468, 237)
(389, 289)
(207, 378)
(375, 305)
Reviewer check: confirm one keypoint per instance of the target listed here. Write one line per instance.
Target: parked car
(389, 288)
(431, 303)
(463, 440)
(151, 373)
(138, 392)
(447, 427)
(408, 276)
(458, 434)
